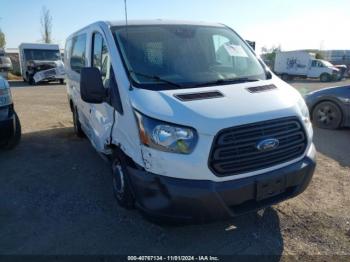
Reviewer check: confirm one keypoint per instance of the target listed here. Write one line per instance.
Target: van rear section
(196, 127)
(294, 63)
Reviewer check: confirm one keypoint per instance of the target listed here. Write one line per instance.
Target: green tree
(2, 39)
(319, 55)
(269, 54)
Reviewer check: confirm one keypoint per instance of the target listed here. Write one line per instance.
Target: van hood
(208, 116)
(334, 68)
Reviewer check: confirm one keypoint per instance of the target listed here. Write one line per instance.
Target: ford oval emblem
(268, 144)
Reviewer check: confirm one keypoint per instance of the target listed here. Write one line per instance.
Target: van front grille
(235, 150)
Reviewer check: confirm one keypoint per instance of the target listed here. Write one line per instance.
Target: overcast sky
(293, 24)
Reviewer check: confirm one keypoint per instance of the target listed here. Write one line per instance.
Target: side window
(78, 55)
(68, 51)
(314, 63)
(100, 57)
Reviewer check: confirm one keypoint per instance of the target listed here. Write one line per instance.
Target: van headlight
(166, 136)
(5, 94)
(304, 111)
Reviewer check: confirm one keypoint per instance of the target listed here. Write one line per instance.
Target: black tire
(26, 78)
(121, 184)
(31, 81)
(327, 115)
(325, 77)
(14, 141)
(285, 77)
(76, 123)
(61, 81)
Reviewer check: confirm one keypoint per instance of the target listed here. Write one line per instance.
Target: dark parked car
(10, 127)
(330, 107)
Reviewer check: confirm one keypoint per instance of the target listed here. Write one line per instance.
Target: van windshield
(42, 55)
(326, 63)
(183, 56)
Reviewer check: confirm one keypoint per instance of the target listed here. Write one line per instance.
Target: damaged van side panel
(122, 132)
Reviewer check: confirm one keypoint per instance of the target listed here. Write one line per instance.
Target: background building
(337, 57)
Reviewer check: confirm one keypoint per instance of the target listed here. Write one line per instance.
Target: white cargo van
(304, 64)
(41, 62)
(195, 125)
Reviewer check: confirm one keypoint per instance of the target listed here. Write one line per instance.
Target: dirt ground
(56, 198)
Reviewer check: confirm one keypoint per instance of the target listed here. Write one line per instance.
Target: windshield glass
(43, 55)
(326, 63)
(186, 55)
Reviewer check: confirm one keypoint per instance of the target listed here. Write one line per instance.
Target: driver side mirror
(251, 43)
(91, 86)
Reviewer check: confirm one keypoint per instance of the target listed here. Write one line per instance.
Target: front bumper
(203, 200)
(7, 124)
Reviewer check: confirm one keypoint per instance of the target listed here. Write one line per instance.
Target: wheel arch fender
(118, 151)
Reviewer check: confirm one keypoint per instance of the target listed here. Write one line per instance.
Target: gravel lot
(57, 197)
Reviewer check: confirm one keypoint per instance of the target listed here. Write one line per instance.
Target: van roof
(161, 22)
(146, 22)
(38, 46)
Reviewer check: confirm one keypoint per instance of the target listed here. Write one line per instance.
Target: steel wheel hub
(326, 115)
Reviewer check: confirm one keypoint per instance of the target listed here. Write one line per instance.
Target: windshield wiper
(228, 81)
(155, 77)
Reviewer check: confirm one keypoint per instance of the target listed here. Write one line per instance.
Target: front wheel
(327, 115)
(61, 81)
(76, 123)
(31, 81)
(285, 77)
(121, 185)
(325, 77)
